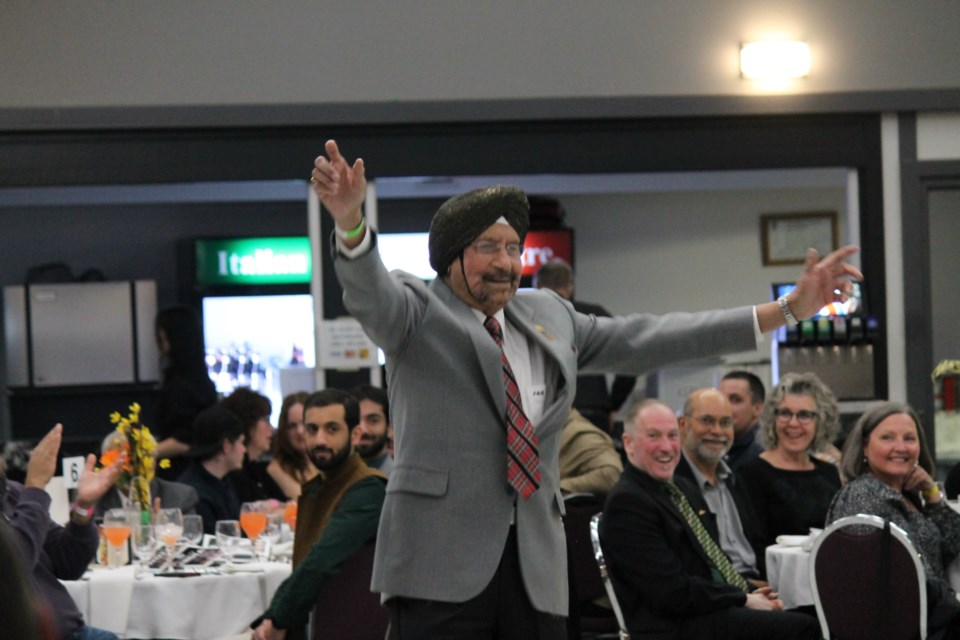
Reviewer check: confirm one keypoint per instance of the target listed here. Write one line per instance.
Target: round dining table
(204, 606)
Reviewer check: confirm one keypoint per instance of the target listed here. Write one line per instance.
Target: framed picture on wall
(786, 236)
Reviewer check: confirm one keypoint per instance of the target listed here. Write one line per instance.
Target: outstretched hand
(823, 282)
(340, 187)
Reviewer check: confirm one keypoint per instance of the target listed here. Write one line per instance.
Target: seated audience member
(889, 470)
(338, 512)
(746, 394)
(252, 481)
(163, 493)
(707, 431)
(589, 463)
(217, 450)
(671, 577)
(593, 399)
(374, 429)
(790, 489)
(291, 466)
(51, 552)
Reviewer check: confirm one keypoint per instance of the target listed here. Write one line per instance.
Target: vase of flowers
(134, 441)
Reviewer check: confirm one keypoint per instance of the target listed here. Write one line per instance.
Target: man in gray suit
(471, 542)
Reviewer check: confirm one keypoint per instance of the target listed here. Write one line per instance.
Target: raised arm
(341, 188)
(821, 282)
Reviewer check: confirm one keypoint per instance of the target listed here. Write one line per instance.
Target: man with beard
(374, 427)
(481, 379)
(49, 551)
(707, 432)
(338, 512)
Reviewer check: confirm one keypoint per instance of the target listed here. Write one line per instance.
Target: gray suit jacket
(448, 507)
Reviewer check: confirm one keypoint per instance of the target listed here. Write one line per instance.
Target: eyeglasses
(487, 248)
(803, 416)
(712, 421)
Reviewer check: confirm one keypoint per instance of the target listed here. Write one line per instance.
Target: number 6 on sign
(72, 468)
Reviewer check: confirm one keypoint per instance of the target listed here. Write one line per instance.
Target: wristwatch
(785, 310)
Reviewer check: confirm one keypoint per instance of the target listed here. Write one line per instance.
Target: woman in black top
(789, 487)
(186, 389)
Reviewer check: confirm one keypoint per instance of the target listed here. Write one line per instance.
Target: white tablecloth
(190, 608)
(788, 572)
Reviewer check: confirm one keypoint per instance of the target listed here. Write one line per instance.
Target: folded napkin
(792, 541)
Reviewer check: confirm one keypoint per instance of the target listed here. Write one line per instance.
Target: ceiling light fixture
(774, 60)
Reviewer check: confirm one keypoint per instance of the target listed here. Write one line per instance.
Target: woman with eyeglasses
(889, 473)
(789, 486)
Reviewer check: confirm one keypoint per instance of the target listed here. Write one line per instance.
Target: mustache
(497, 273)
(321, 449)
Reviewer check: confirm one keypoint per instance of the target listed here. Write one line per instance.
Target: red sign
(540, 247)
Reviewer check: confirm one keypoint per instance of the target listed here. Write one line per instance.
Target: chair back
(583, 578)
(868, 581)
(346, 609)
(605, 575)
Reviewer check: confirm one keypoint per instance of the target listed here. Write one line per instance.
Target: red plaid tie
(523, 458)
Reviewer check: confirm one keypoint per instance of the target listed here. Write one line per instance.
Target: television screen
(251, 341)
(853, 306)
(407, 252)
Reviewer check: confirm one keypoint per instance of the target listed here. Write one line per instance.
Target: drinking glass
(116, 529)
(193, 529)
(228, 537)
(272, 533)
(144, 544)
(290, 515)
(253, 519)
(168, 528)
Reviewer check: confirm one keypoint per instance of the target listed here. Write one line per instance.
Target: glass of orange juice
(290, 514)
(116, 529)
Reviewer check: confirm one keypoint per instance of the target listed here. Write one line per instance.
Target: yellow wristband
(932, 492)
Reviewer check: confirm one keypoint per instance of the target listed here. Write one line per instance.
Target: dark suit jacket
(660, 572)
(752, 525)
(173, 495)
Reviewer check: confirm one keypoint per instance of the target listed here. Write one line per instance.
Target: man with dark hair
(746, 394)
(252, 481)
(51, 552)
(481, 379)
(218, 448)
(671, 577)
(374, 427)
(338, 512)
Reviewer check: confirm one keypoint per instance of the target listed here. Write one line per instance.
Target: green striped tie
(721, 563)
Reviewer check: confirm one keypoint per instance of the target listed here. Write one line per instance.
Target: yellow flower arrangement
(139, 466)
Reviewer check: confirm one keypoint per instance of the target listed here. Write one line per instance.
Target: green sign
(254, 261)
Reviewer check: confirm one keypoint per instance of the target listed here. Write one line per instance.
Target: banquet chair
(605, 576)
(868, 581)
(586, 618)
(346, 609)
